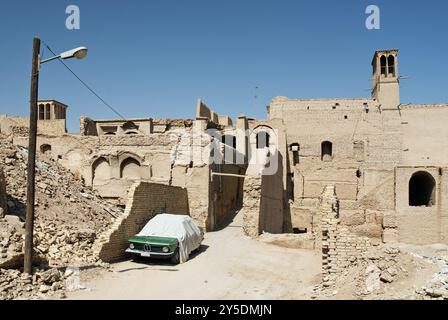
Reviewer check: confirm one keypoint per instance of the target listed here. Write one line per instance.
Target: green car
(155, 247)
(167, 236)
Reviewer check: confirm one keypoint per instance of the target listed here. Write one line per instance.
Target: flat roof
(54, 101)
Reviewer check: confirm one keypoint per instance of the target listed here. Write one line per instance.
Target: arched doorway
(422, 190)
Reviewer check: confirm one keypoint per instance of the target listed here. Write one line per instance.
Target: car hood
(154, 240)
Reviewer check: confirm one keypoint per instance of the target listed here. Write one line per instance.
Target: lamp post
(79, 53)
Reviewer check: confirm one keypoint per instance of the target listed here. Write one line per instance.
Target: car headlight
(131, 246)
(165, 249)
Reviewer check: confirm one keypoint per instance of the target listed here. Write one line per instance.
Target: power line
(86, 85)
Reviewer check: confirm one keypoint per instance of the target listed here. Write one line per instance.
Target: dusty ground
(229, 266)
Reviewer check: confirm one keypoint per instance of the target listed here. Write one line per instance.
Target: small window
(262, 140)
(326, 151)
(391, 65)
(383, 62)
(295, 148)
(345, 117)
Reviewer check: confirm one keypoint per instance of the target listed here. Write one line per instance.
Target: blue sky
(155, 58)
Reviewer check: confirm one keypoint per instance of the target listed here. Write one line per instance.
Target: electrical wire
(87, 86)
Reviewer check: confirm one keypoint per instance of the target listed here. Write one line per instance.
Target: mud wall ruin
(2, 193)
(144, 201)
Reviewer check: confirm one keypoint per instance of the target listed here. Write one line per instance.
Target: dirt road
(229, 266)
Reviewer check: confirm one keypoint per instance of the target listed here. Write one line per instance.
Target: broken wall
(145, 200)
(365, 147)
(2, 193)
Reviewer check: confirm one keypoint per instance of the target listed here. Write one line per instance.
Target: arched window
(262, 140)
(326, 151)
(109, 133)
(100, 171)
(130, 169)
(131, 132)
(391, 65)
(45, 148)
(422, 190)
(383, 62)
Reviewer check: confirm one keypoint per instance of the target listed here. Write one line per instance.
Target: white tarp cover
(181, 227)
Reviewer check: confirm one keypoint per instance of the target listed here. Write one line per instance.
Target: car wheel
(175, 259)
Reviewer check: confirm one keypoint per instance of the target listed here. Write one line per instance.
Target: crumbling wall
(340, 247)
(87, 127)
(2, 193)
(145, 200)
(251, 205)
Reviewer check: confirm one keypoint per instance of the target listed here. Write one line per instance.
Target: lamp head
(78, 53)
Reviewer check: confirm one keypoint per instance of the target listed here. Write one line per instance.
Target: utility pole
(31, 169)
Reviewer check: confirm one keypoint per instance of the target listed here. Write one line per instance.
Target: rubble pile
(14, 284)
(369, 276)
(68, 218)
(388, 272)
(437, 287)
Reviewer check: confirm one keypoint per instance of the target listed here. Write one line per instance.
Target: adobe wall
(365, 149)
(145, 200)
(424, 133)
(265, 205)
(420, 225)
(2, 193)
(370, 145)
(112, 164)
(227, 193)
(19, 126)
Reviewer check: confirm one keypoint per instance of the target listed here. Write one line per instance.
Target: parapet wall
(19, 126)
(203, 111)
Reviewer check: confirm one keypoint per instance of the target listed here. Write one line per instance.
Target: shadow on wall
(275, 215)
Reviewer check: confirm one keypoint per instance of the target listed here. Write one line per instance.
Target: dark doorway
(422, 190)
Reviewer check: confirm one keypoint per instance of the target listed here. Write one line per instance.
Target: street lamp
(78, 53)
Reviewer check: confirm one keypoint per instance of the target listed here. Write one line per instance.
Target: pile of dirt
(69, 216)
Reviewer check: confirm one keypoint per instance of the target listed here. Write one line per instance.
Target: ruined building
(386, 162)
